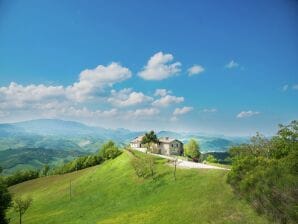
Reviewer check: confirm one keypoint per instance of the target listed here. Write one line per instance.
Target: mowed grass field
(111, 193)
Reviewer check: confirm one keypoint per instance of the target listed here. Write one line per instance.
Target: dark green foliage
(265, 172)
(149, 139)
(221, 157)
(109, 150)
(78, 164)
(45, 170)
(21, 176)
(5, 201)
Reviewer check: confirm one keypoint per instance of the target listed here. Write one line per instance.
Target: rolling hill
(111, 193)
(67, 138)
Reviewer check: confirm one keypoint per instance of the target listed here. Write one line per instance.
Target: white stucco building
(165, 146)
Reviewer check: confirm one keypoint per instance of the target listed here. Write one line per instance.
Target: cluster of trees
(150, 139)
(5, 200)
(21, 176)
(109, 150)
(20, 205)
(265, 172)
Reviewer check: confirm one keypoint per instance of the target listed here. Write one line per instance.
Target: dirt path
(188, 164)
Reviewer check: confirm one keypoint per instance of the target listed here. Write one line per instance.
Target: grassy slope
(111, 193)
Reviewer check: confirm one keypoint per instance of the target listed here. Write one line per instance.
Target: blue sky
(224, 67)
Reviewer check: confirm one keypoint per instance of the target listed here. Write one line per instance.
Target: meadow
(111, 193)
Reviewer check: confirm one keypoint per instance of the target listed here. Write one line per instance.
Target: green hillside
(112, 193)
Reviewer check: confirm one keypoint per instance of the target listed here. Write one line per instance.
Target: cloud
(19, 96)
(249, 113)
(162, 92)
(167, 100)
(126, 97)
(195, 69)
(295, 87)
(285, 87)
(146, 112)
(94, 80)
(232, 64)
(90, 82)
(181, 111)
(209, 110)
(174, 118)
(159, 67)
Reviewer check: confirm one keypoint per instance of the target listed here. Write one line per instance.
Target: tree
(5, 201)
(109, 150)
(150, 161)
(144, 166)
(211, 159)
(21, 206)
(45, 170)
(149, 139)
(192, 150)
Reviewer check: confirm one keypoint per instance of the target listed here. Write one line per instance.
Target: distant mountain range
(70, 135)
(37, 142)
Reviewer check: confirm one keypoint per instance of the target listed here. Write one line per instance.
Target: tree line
(265, 172)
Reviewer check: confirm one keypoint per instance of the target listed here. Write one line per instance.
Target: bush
(78, 164)
(265, 172)
(21, 176)
(5, 201)
(211, 159)
(109, 150)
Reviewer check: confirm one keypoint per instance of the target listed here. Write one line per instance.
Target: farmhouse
(165, 146)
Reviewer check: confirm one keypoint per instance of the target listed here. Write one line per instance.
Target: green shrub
(265, 172)
(109, 150)
(211, 159)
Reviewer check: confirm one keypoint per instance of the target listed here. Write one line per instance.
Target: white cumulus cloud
(249, 113)
(195, 69)
(232, 64)
(146, 112)
(167, 100)
(162, 92)
(127, 97)
(159, 67)
(181, 111)
(94, 80)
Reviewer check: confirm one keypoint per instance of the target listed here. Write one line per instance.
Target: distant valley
(31, 144)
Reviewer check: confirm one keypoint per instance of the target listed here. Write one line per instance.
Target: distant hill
(69, 136)
(32, 158)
